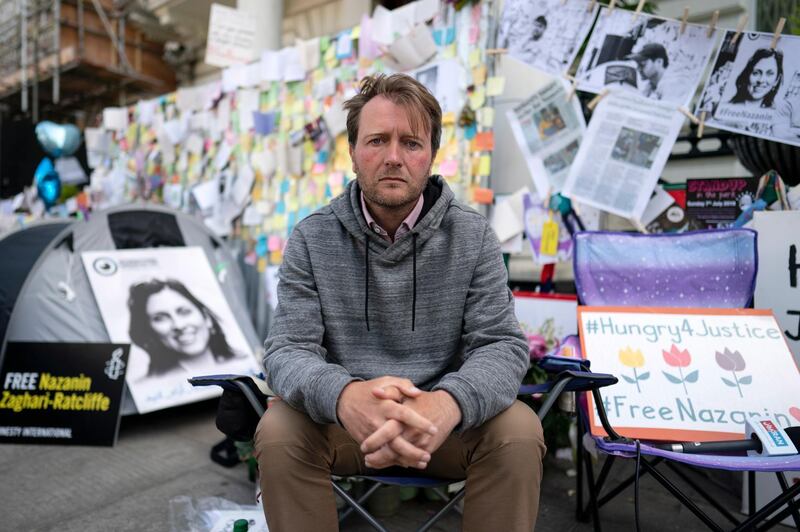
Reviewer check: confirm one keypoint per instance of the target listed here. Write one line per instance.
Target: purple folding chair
(714, 269)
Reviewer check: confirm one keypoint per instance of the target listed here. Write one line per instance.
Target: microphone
(755, 443)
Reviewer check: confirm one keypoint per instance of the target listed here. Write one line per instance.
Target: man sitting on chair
(395, 341)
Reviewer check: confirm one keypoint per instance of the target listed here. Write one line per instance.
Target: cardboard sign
(58, 393)
(689, 374)
(778, 279)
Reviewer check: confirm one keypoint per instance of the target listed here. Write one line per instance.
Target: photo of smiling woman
(179, 333)
(760, 79)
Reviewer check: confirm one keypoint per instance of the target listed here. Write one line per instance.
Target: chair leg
(708, 498)
(592, 494)
(678, 494)
(792, 505)
(579, 458)
(354, 504)
(446, 508)
(751, 492)
(785, 498)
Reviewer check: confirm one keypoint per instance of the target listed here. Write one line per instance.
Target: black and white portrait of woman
(181, 320)
(177, 331)
(760, 80)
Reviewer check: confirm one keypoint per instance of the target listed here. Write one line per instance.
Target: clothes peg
(688, 114)
(611, 5)
(573, 86)
(777, 34)
(684, 19)
(496, 51)
(638, 11)
(701, 126)
(590, 5)
(713, 24)
(739, 28)
(591, 105)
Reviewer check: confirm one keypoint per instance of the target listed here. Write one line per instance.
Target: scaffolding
(62, 55)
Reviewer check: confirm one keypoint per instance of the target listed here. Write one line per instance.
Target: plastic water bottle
(240, 525)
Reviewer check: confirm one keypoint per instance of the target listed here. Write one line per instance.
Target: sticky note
(495, 86)
(474, 57)
(549, 244)
(479, 76)
(484, 141)
(486, 116)
(274, 243)
(485, 165)
(481, 195)
(477, 98)
(449, 168)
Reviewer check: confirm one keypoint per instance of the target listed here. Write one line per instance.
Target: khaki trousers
(500, 460)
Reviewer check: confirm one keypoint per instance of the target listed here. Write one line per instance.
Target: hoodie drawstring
(414, 283)
(366, 286)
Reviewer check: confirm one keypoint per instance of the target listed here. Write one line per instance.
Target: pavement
(162, 459)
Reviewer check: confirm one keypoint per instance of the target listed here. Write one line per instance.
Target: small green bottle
(240, 525)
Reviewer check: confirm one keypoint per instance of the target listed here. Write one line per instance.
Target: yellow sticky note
(485, 165)
(495, 86)
(477, 98)
(298, 122)
(479, 75)
(549, 245)
(298, 108)
(292, 205)
(275, 257)
(474, 57)
(449, 52)
(448, 118)
(262, 264)
(356, 32)
(486, 116)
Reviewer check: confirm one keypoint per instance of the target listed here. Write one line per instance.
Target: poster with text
(778, 278)
(715, 203)
(754, 89)
(690, 374)
(645, 54)
(623, 152)
(546, 34)
(62, 393)
(167, 303)
(548, 129)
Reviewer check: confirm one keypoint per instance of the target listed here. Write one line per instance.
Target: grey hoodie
(433, 307)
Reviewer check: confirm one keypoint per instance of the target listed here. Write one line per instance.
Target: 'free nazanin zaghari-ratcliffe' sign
(690, 374)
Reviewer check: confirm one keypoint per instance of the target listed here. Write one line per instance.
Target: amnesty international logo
(115, 365)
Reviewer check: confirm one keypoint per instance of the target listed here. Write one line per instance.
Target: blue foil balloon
(58, 140)
(48, 183)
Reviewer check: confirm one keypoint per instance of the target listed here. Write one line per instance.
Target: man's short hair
(651, 51)
(424, 112)
(541, 20)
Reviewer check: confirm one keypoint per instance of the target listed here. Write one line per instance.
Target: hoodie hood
(347, 209)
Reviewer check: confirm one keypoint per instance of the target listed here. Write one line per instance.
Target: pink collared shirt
(405, 225)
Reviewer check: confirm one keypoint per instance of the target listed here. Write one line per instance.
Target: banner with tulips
(690, 374)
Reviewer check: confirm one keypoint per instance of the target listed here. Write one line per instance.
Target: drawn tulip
(733, 361)
(633, 359)
(679, 358)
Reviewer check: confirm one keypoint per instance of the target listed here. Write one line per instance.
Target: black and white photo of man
(652, 63)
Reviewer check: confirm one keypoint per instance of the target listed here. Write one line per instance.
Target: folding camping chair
(239, 390)
(714, 269)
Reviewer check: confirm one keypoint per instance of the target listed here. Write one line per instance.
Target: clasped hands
(395, 422)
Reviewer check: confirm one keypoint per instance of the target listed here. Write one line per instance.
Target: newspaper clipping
(548, 129)
(546, 34)
(623, 152)
(754, 89)
(648, 55)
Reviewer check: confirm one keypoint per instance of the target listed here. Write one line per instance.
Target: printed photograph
(548, 121)
(754, 89)
(560, 160)
(176, 319)
(545, 34)
(636, 147)
(649, 56)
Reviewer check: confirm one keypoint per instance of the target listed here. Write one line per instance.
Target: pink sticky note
(274, 243)
(448, 168)
(336, 179)
(318, 168)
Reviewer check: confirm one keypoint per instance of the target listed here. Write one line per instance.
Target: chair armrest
(243, 402)
(580, 381)
(557, 364)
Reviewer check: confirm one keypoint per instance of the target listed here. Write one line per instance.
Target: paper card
(414, 49)
(689, 374)
(381, 26)
(309, 53)
(145, 110)
(448, 168)
(336, 118)
(483, 196)
(367, 46)
(425, 10)
(344, 45)
(231, 36)
(264, 123)
(271, 66)
(246, 104)
(292, 64)
(659, 202)
(507, 216)
(98, 142)
(115, 118)
(545, 319)
(206, 194)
